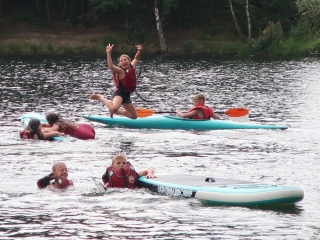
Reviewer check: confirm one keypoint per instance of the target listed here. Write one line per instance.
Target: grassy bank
(78, 42)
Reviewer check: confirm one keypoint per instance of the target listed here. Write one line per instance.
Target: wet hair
(126, 56)
(53, 118)
(33, 126)
(118, 157)
(199, 97)
(54, 166)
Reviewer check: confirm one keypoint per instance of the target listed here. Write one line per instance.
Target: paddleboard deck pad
(172, 122)
(222, 191)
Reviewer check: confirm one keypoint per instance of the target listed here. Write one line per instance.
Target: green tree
(309, 11)
(110, 5)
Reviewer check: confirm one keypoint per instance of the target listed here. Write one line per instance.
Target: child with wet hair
(82, 131)
(34, 130)
(58, 178)
(121, 174)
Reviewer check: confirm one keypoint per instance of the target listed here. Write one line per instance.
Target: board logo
(131, 179)
(174, 191)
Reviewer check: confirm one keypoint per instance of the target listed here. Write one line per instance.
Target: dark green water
(276, 91)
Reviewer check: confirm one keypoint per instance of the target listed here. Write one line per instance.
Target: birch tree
(161, 9)
(236, 21)
(159, 21)
(248, 20)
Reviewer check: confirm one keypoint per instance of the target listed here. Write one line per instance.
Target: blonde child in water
(58, 178)
(121, 174)
(125, 80)
(200, 110)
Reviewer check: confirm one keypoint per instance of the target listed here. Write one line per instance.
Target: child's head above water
(119, 161)
(52, 118)
(33, 125)
(60, 170)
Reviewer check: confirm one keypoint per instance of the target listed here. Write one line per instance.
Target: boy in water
(200, 110)
(121, 174)
(57, 179)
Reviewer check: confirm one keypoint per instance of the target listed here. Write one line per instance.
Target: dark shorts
(125, 96)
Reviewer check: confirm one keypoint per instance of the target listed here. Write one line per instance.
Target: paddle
(232, 112)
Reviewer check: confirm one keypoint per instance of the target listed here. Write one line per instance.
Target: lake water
(276, 91)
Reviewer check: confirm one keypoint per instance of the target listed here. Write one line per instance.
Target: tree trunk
(248, 18)
(48, 5)
(82, 12)
(162, 40)
(236, 22)
(64, 8)
(38, 7)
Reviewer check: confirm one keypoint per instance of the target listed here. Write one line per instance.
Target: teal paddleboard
(222, 191)
(170, 122)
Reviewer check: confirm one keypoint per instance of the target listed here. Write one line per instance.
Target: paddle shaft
(161, 112)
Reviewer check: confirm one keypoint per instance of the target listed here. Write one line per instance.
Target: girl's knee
(113, 110)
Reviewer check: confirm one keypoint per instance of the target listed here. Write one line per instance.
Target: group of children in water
(125, 80)
(120, 174)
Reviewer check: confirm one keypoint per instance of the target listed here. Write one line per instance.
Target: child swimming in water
(82, 131)
(58, 178)
(34, 130)
(121, 174)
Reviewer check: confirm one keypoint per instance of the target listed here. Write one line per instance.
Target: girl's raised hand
(109, 48)
(139, 47)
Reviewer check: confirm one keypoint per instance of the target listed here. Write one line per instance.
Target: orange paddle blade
(144, 112)
(237, 112)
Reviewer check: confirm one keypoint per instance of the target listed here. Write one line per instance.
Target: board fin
(210, 179)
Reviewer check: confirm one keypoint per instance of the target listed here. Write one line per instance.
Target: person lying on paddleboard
(57, 179)
(200, 110)
(125, 80)
(34, 130)
(121, 174)
(82, 131)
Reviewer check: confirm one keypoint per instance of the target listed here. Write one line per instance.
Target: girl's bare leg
(112, 106)
(130, 111)
(116, 104)
(99, 97)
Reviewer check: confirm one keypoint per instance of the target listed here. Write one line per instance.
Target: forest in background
(194, 27)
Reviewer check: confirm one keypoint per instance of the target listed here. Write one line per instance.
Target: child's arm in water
(149, 173)
(51, 134)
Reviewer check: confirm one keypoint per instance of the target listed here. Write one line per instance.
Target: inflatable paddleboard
(26, 118)
(222, 191)
(171, 122)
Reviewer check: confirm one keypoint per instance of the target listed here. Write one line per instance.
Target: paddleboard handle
(210, 179)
